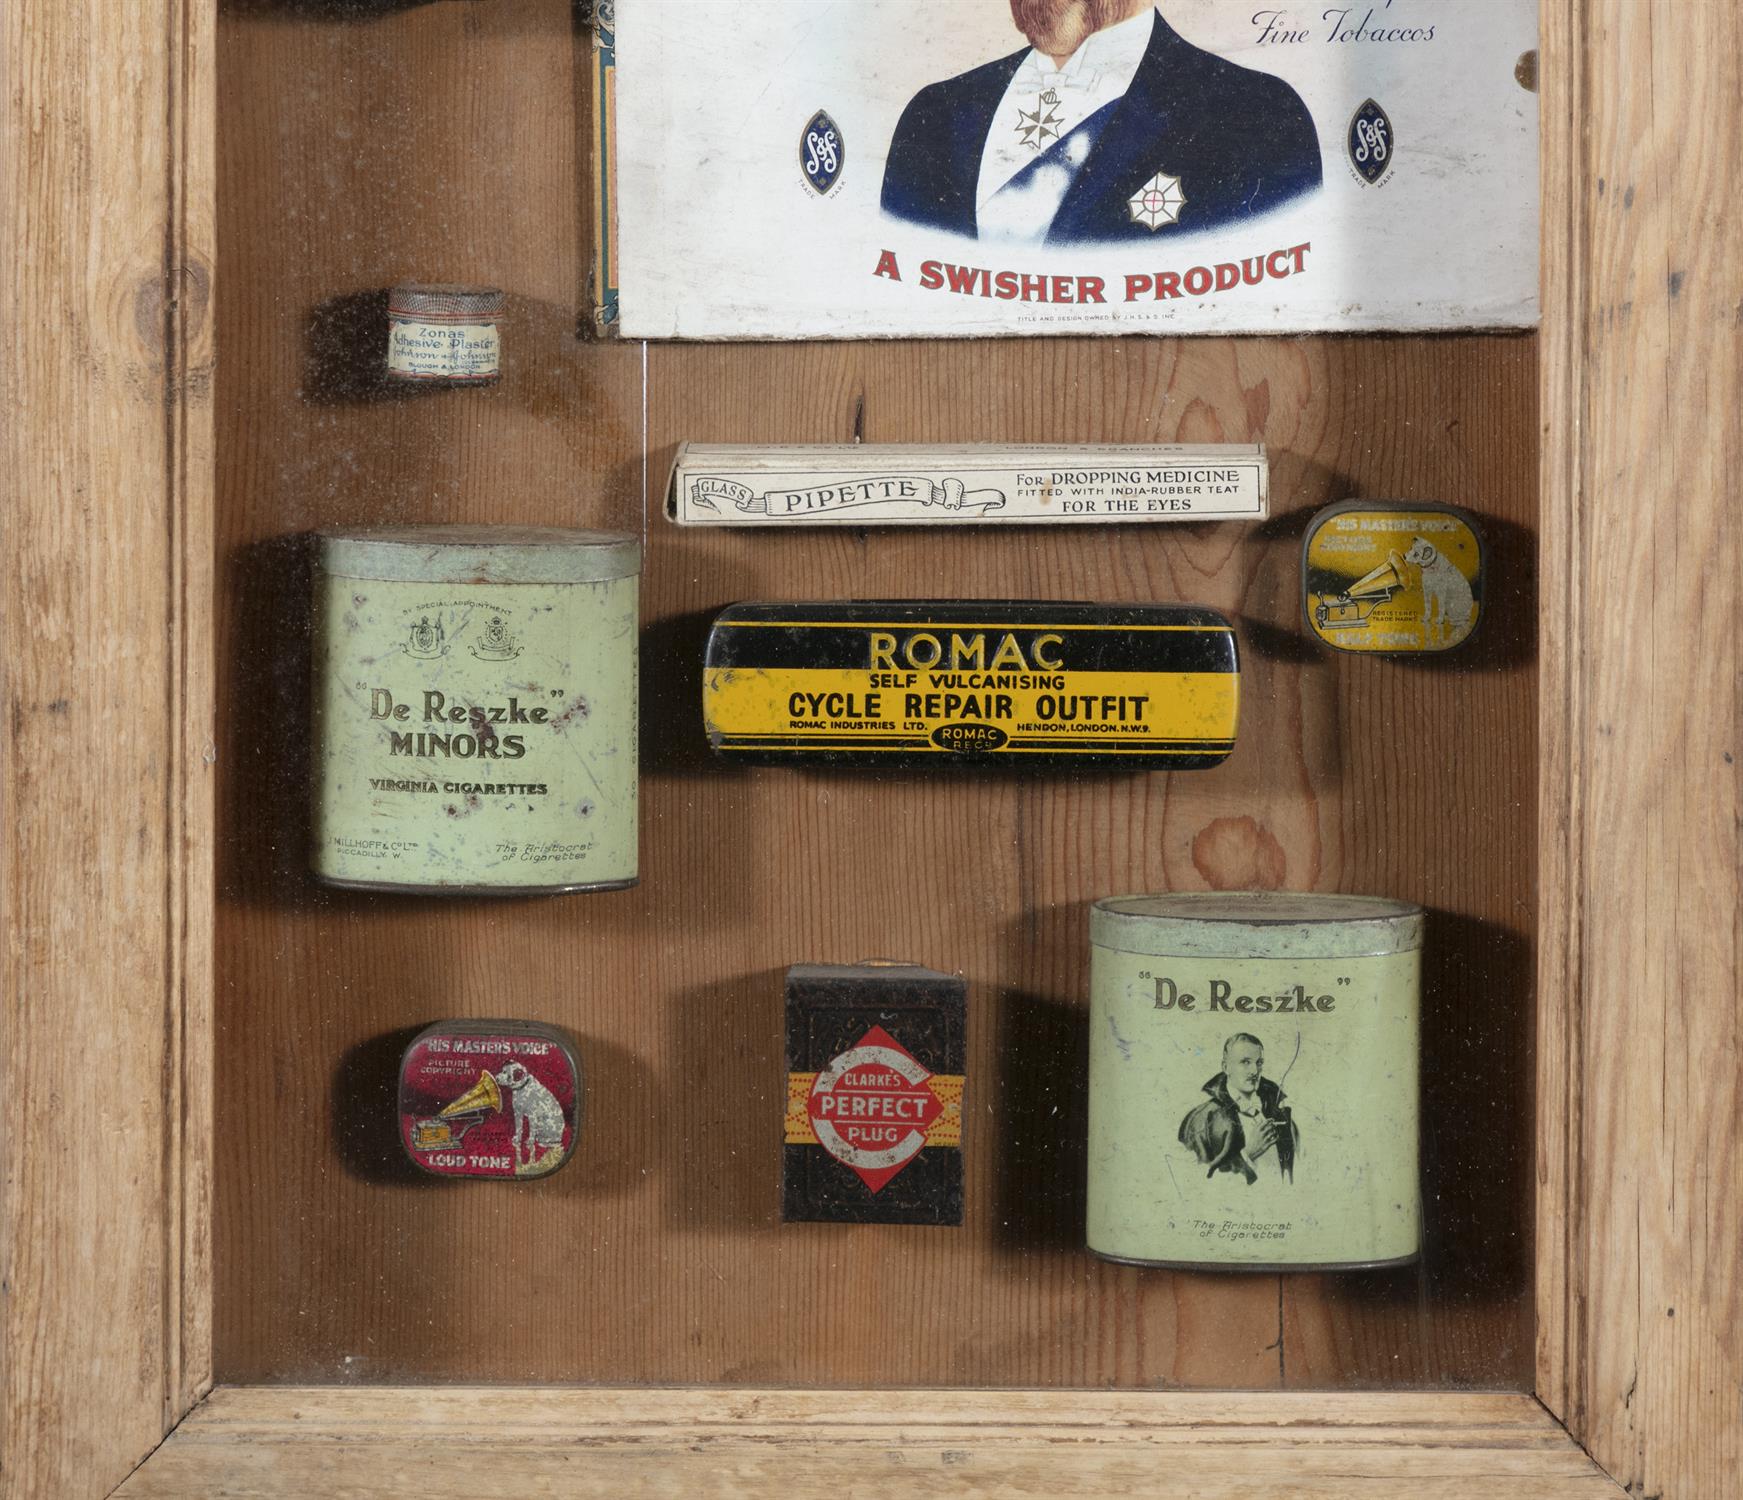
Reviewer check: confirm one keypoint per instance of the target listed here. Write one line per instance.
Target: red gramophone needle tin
(490, 1099)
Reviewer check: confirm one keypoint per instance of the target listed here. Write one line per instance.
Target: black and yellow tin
(1144, 686)
(1393, 578)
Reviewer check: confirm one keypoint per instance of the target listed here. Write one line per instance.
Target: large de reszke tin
(1254, 1081)
(475, 709)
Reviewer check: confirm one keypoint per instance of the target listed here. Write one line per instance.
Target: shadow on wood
(1036, 1129)
(267, 734)
(719, 1141)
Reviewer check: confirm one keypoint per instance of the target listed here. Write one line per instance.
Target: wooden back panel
(440, 141)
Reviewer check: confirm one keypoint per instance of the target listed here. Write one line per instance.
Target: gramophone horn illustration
(1355, 604)
(453, 1120)
(490, 1098)
(1422, 567)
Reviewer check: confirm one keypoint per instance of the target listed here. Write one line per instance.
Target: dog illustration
(1447, 603)
(536, 1112)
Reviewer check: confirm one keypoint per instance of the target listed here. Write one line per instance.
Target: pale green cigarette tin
(475, 709)
(1254, 1064)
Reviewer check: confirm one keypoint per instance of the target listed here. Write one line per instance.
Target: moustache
(1042, 17)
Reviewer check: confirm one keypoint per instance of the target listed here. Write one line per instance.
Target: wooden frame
(107, 894)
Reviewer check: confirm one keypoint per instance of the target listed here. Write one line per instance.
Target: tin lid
(444, 301)
(1393, 577)
(491, 1099)
(480, 554)
(1255, 924)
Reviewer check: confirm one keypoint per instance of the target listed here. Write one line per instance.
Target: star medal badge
(1038, 126)
(1157, 202)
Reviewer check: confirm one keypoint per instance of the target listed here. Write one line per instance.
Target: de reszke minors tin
(475, 708)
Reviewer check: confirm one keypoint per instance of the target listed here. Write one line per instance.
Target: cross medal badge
(1037, 126)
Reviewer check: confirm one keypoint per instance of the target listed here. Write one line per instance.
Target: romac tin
(976, 681)
(490, 1099)
(444, 335)
(1253, 1081)
(1393, 578)
(475, 710)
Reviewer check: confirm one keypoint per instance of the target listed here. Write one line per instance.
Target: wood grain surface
(106, 192)
(446, 142)
(1640, 1204)
(360, 1444)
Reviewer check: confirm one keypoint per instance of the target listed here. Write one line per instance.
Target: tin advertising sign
(843, 168)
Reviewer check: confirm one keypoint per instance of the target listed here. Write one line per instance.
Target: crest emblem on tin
(495, 643)
(1157, 202)
(1370, 142)
(426, 639)
(822, 152)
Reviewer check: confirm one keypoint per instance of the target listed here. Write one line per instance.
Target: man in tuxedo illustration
(1109, 127)
(1245, 1124)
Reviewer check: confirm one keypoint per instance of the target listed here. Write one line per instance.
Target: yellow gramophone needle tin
(1387, 577)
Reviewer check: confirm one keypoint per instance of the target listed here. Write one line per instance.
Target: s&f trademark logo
(1158, 201)
(871, 1107)
(1370, 142)
(822, 154)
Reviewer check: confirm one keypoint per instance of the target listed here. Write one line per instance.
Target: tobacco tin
(475, 710)
(1038, 684)
(873, 1130)
(1254, 1081)
(490, 1099)
(1391, 577)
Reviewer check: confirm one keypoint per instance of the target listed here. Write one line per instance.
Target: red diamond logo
(870, 1107)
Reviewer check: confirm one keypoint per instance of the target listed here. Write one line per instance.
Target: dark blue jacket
(1241, 142)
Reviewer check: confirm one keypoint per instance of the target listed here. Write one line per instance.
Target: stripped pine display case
(155, 1239)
